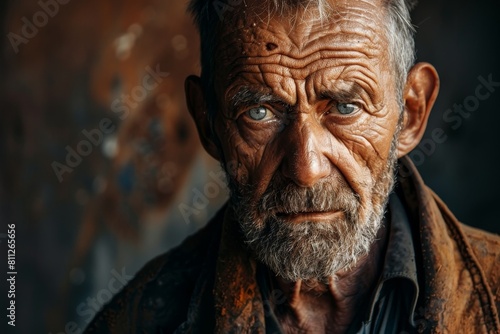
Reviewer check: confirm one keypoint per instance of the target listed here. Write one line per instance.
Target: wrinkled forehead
(256, 29)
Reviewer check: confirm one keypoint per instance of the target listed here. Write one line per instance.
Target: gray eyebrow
(342, 94)
(246, 96)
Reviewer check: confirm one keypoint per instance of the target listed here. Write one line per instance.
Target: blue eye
(260, 113)
(346, 108)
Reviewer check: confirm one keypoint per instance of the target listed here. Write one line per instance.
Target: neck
(331, 305)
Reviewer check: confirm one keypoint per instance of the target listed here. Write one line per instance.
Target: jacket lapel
(454, 287)
(238, 302)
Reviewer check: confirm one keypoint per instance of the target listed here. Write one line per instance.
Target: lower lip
(311, 216)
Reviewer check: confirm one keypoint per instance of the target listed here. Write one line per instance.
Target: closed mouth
(311, 216)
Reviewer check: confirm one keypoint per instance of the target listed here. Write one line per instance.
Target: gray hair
(208, 15)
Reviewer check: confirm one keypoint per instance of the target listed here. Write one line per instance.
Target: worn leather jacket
(208, 283)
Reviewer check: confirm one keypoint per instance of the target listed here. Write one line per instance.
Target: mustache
(285, 197)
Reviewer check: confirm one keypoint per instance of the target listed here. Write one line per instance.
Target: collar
(399, 263)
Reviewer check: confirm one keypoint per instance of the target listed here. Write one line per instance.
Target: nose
(305, 162)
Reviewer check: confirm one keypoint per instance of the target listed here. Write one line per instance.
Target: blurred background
(100, 165)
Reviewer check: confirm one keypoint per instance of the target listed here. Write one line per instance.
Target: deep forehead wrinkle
(347, 27)
(297, 68)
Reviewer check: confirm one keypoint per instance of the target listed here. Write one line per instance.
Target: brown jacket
(208, 283)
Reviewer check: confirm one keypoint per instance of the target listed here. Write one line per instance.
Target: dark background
(123, 203)
(461, 39)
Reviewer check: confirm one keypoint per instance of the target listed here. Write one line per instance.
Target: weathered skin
(300, 69)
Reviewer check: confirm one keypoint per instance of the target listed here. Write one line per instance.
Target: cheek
(243, 151)
(370, 141)
(360, 152)
(257, 135)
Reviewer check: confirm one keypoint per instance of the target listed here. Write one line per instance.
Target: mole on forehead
(254, 36)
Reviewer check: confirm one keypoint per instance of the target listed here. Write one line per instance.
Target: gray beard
(311, 250)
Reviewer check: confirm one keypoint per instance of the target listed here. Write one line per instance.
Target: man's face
(308, 118)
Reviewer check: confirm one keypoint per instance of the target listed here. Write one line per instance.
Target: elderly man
(311, 106)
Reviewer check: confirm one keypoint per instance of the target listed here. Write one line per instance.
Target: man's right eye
(260, 113)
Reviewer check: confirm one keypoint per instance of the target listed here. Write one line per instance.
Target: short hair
(208, 15)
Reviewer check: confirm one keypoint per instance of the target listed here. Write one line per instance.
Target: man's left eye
(346, 108)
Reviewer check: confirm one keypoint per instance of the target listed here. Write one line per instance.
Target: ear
(198, 109)
(420, 92)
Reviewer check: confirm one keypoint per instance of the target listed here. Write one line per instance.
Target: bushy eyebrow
(246, 96)
(342, 95)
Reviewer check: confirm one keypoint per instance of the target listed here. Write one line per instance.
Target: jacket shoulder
(160, 292)
(486, 248)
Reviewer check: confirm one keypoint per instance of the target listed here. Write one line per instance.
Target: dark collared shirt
(392, 305)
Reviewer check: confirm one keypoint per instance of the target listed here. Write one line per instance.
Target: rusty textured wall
(99, 151)
(106, 78)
